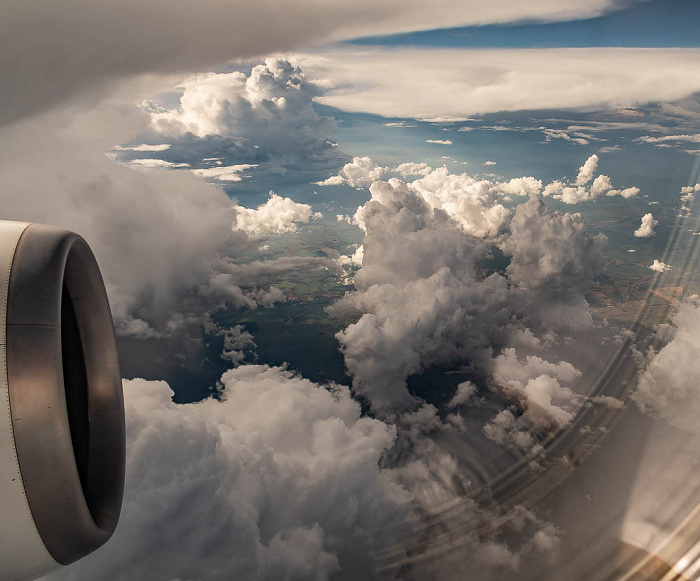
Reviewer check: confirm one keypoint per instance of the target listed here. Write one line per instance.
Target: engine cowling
(62, 436)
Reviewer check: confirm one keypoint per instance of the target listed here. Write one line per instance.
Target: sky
(400, 289)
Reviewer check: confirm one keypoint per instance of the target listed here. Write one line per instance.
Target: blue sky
(656, 23)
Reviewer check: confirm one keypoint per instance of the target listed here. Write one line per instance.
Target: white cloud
(578, 192)
(646, 229)
(666, 139)
(439, 141)
(471, 203)
(143, 162)
(489, 162)
(424, 83)
(550, 134)
(275, 216)
(669, 386)
(279, 479)
(659, 266)
(265, 113)
(224, 173)
(586, 171)
(525, 186)
(361, 171)
(410, 168)
(144, 147)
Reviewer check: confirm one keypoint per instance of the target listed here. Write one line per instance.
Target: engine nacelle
(62, 437)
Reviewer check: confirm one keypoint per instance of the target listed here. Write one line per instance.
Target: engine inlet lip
(75, 505)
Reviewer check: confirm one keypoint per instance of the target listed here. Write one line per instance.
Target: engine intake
(62, 438)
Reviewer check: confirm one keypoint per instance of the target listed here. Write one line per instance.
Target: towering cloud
(266, 115)
(646, 229)
(421, 296)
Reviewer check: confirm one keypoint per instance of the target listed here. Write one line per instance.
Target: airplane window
(401, 290)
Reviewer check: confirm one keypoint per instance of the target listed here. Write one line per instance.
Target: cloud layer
(117, 40)
(432, 83)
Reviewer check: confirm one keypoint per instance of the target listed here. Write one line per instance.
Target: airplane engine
(62, 438)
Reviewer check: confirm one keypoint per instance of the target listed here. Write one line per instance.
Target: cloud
(423, 83)
(666, 139)
(279, 478)
(224, 173)
(412, 169)
(145, 162)
(144, 147)
(550, 134)
(489, 163)
(472, 203)
(264, 116)
(555, 260)
(525, 186)
(421, 300)
(646, 229)
(163, 239)
(577, 192)
(275, 216)
(418, 299)
(237, 344)
(112, 48)
(361, 171)
(668, 388)
(586, 171)
(439, 141)
(538, 385)
(659, 266)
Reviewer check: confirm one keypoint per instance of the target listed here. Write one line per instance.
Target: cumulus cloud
(462, 82)
(580, 191)
(411, 168)
(525, 186)
(472, 203)
(361, 171)
(659, 266)
(586, 171)
(688, 193)
(439, 141)
(669, 388)
(420, 298)
(275, 216)
(237, 344)
(556, 261)
(278, 478)
(266, 115)
(646, 229)
(540, 386)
